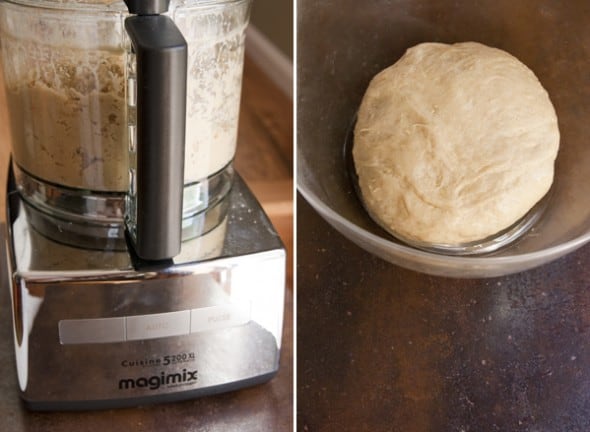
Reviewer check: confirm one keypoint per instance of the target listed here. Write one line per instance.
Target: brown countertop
(382, 348)
(265, 161)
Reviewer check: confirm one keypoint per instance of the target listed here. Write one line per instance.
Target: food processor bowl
(70, 75)
(341, 47)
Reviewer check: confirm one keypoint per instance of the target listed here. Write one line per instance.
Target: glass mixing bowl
(341, 48)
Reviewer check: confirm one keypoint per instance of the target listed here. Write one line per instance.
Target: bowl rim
(409, 252)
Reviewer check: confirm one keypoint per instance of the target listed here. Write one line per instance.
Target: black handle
(161, 53)
(147, 7)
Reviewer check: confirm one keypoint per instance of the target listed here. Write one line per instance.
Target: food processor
(141, 267)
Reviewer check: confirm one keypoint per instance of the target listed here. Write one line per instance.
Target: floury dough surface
(71, 129)
(65, 85)
(454, 143)
(215, 61)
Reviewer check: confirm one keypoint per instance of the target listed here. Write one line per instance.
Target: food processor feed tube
(157, 169)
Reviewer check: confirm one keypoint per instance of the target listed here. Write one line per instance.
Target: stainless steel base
(99, 329)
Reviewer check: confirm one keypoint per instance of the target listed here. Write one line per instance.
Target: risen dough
(454, 143)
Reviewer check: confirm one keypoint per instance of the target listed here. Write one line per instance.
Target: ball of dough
(454, 143)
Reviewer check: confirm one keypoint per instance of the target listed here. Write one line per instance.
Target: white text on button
(158, 325)
(216, 317)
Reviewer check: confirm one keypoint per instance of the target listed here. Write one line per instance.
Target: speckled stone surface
(381, 348)
(264, 408)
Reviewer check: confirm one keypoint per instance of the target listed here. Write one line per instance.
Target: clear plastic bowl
(341, 49)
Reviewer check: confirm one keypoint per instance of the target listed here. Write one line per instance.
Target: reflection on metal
(96, 328)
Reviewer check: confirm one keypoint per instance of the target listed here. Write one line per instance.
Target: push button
(140, 327)
(158, 325)
(217, 317)
(88, 331)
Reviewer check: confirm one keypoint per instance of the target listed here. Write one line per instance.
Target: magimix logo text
(154, 382)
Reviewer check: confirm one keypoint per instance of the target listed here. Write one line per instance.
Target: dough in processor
(454, 143)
